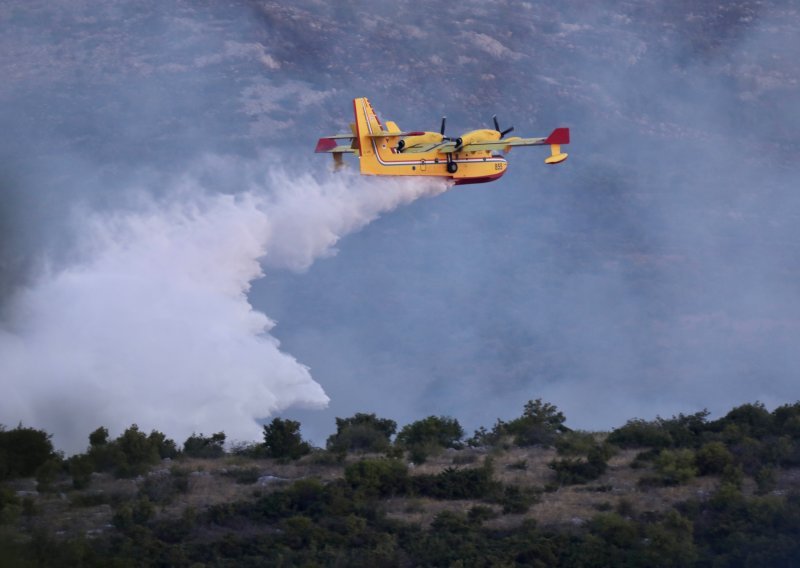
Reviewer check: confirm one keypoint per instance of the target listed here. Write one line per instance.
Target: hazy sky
(155, 159)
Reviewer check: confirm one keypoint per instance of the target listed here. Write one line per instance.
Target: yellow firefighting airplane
(388, 151)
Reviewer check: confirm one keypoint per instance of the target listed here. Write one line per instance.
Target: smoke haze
(654, 272)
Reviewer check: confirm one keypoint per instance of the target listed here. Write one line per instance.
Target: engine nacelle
(424, 138)
(479, 136)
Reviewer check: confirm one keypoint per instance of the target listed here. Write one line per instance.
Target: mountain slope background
(654, 272)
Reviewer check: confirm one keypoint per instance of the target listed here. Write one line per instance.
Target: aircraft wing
(427, 147)
(503, 144)
(558, 136)
(387, 133)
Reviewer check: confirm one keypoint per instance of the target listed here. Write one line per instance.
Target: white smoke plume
(153, 325)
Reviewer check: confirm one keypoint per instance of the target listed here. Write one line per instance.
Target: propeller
(402, 143)
(497, 127)
(441, 131)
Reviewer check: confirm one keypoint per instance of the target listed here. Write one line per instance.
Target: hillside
(672, 492)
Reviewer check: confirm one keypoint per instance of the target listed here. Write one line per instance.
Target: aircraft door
(422, 166)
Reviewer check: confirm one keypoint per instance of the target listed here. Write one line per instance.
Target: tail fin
(558, 137)
(366, 123)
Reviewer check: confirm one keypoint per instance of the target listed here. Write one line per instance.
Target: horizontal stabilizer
(329, 145)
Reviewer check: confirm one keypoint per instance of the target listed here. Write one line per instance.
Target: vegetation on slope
(668, 492)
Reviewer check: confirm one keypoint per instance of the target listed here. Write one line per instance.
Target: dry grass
(422, 510)
(212, 482)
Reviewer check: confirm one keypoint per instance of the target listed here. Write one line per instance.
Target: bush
(517, 500)
(8, 502)
(379, 477)
(674, 467)
(362, 433)
(483, 437)
(681, 431)
(639, 433)
(282, 440)
(455, 483)
(200, 446)
(750, 420)
(161, 489)
(46, 474)
(134, 453)
(575, 443)
(571, 471)
(80, 467)
(480, 513)
(713, 458)
(129, 515)
(765, 480)
(786, 420)
(541, 423)
(23, 451)
(244, 476)
(440, 431)
(165, 447)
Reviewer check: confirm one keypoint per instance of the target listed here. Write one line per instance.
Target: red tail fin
(558, 136)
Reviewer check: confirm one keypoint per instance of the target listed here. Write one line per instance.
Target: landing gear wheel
(452, 167)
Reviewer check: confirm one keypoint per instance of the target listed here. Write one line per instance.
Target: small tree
(200, 446)
(99, 437)
(135, 452)
(23, 451)
(439, 430)
(165, 447)
(430, 435)
(540, 424)
(282, 439)
(713, 458)
(377, 477)
(362, 433)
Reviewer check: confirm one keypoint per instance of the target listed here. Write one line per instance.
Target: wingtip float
(386, 150)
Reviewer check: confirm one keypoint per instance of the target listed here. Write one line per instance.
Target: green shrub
(571, 471)
(639, 433)
(46, 475)
(480, 513)
(765, 480)
(282, 440)
(712, 458)
(681, 431)
(244, 476)
(675, 467)
(541, 423)
(200, 446)
(517, 500)
(23, 451)
(377, 477)
(750, 420)
(8, 500)
(362, 433)
(575, 443)
(492, 438)
(441, 431)
(165, 447)
(455, 483)
(80, 467)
